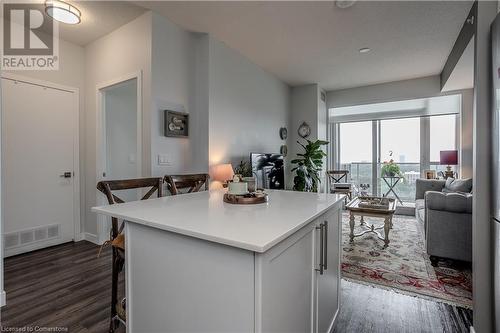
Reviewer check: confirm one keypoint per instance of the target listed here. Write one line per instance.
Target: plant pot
(250, 182)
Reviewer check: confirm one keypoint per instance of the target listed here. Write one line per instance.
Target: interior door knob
(66, 175)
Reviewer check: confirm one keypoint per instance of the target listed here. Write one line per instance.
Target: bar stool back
(187, 183)
(117, 238)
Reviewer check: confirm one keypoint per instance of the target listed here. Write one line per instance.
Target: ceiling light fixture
(342, 4)
(62, 12)
(364, 50)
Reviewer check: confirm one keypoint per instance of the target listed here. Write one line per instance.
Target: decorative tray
(374, 202)
(246, 199)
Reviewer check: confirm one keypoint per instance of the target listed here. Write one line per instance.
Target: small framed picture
(430, 174)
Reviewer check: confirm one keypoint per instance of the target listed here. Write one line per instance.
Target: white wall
(124, 51)
(174, 87)
(199, 120)
(304, 108)
(247, 107)
(411, 89)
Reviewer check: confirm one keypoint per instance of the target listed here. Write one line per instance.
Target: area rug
(404, 265)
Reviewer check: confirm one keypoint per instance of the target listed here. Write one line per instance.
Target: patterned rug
(404, 266)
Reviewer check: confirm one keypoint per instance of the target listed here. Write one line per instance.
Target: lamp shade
(448, 157)
(222, 172)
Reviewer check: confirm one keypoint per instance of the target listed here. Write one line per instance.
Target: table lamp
(448, 158)
(222, 173)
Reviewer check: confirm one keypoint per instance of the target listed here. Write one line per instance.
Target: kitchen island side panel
(178, 283)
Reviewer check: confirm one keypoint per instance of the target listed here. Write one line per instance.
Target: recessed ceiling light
(364, 50)
(342, 4)
(62, 12)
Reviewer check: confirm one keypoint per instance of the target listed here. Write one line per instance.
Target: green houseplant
(244, 169)
(391, 169)
(307, 166)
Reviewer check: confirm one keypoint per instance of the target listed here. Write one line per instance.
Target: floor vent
(29, 236)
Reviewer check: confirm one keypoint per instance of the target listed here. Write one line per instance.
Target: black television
(268, 170)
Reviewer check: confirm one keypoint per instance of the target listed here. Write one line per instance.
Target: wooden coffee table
(384, 213)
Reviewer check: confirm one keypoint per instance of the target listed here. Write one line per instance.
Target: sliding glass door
(413, 143)
(411, 133)
(356, 154)
(400, 142)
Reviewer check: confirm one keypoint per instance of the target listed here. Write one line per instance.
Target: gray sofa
(445, 210)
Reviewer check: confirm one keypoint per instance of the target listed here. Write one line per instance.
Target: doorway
(40, 160)
(119, 143)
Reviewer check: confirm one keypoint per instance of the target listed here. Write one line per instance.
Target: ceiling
(98, 19)
(316, 42)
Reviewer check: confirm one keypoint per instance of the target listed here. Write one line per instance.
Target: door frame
(77, 234)
(102, 221)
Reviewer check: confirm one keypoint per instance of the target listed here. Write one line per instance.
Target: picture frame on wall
(176, 124)
(430, 174)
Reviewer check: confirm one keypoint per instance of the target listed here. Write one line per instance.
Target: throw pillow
(458, 185)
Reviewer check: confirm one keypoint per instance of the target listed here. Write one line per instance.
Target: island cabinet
(196, 264)
(293, 293)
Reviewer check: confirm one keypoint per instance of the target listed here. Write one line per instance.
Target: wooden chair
(116, 237)
(189, 183)
(339, 183)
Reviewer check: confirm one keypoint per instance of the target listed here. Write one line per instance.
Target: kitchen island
(197, 264)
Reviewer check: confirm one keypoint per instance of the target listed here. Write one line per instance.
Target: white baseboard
(3, 298)
(472, 330)
(79, 237)
(91, 238)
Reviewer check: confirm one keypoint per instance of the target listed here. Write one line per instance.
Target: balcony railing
(361, 173)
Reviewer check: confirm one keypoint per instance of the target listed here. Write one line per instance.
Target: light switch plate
(164, 159)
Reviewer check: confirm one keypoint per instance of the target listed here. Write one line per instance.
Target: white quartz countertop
(204, 215)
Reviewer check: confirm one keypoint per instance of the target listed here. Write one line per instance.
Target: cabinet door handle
(325, 234)
(320, 270)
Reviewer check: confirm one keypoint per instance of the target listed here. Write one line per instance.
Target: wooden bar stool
(117, 238)
(187, 183)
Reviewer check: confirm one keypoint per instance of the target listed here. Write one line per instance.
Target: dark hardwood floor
(63, 286)
(67, 286)
(370, 309)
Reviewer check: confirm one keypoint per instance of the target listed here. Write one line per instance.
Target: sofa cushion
(425, 185)
(450, 202)
(453, 185)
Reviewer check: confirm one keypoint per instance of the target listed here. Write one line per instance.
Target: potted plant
(307, 166)
(391, 169)
(244, 169)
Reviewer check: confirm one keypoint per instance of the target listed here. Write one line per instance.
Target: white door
(328, 284)
(38, 173)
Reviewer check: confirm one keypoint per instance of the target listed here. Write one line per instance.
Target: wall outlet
(164, 159)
